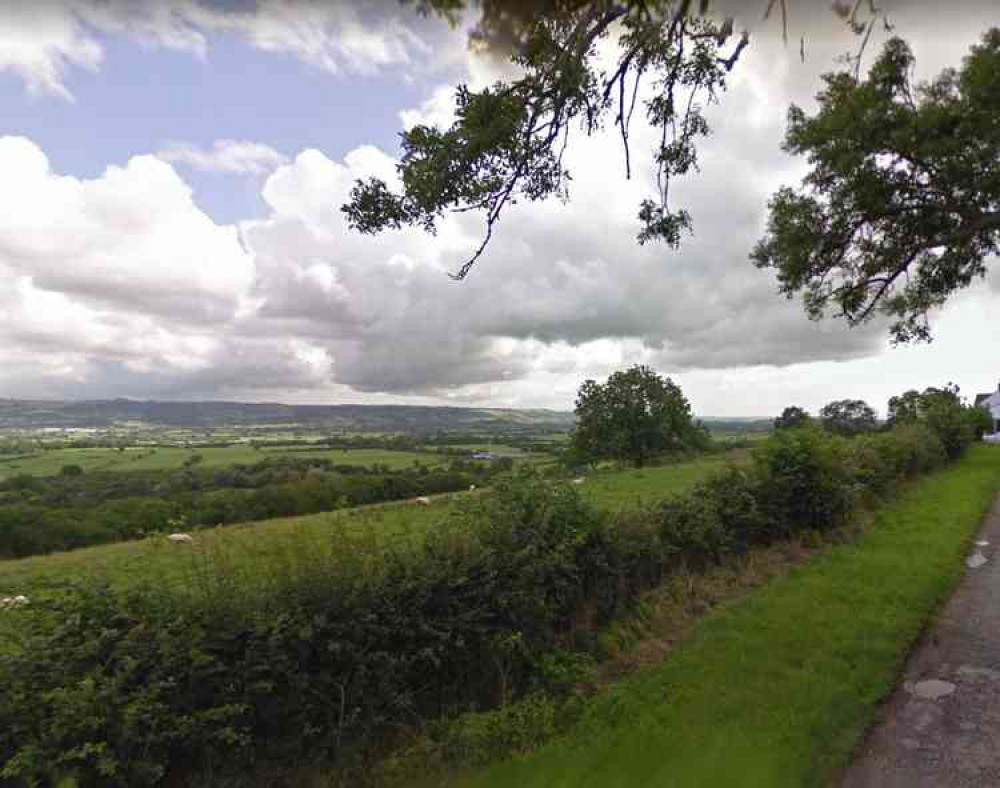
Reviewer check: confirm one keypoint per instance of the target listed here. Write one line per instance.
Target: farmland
(439, 604)
(271, 541)
(49, 462)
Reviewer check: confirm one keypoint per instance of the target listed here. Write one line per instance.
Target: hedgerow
(43, 515)
(330, 662)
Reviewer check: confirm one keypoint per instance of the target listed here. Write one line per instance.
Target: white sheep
(579, 480)
(423, 500)
(12, 602)
(180, 538)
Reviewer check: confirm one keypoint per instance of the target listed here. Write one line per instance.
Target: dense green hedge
(336, 657)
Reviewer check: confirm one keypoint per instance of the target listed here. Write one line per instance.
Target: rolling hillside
(37, 414)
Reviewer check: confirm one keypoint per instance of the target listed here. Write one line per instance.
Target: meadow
(616, 490)
(257, 544)
(49, 462)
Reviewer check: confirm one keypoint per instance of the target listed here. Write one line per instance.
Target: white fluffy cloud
(131, 238)
(235, 156)
(120, 285)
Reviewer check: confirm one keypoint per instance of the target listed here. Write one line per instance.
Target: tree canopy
(901, 206)
(792, 417)
(508, 139)
(943, 410)
(634, 416)
(848, 417)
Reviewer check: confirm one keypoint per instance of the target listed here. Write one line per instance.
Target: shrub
(692, 532)
(734, 496)
(479, 738)
(805, 483)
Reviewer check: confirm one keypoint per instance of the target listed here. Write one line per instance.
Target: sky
(170, 223)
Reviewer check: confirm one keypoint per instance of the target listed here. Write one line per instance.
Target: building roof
(981, 398)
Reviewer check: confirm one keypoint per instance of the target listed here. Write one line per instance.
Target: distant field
(632, 489)
(257, 545)
(732, 435)
(496, 449)
(50, 462)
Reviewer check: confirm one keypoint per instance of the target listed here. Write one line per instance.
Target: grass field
(269, 541)
(50, 462)
(632, 489)
(775, 690)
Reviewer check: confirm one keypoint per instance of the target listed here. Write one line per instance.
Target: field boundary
(756, 702)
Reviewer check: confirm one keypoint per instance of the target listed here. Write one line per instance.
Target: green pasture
(638, 487)
(257, 544)
(146, 458)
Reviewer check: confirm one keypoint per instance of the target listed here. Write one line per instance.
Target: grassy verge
(776, 689)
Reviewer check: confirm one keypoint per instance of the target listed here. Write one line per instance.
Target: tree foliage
(848, 417)
(792, 417)
(901, 206)
(941, 409)
(507, 141)
(634, 416)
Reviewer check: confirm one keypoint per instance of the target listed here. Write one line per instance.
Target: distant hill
(17, 413)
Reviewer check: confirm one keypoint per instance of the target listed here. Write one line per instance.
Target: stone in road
(941, 727)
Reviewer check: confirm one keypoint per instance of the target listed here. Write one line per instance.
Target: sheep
(180, 538)
(423, 500)
(12, 602)
(472, 488)
(578, 480)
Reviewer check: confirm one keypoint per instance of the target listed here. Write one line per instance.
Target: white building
(992, 403)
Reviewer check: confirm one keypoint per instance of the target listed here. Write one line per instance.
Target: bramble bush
(328, 659)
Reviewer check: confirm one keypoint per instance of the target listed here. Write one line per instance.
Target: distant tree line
(941, 409)
(76, 509)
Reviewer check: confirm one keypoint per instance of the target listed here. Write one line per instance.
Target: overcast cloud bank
(121, 285)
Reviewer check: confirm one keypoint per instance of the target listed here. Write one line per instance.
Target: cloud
(567, 275)
(42, 41)
(236, 156)
(132, 237)
(120, 286)
(121, 272)
(39, 43)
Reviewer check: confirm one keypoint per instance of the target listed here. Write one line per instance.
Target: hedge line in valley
(44, 515)
(127, 689)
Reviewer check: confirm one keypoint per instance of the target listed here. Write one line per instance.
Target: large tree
(901, 206)
(507, 141)
(633, 416)
(848, 417)
(941, 409)
(792, 416)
